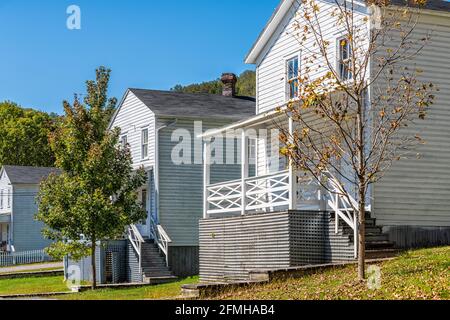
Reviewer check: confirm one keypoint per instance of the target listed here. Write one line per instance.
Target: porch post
(206, 176)
(244, 170)
(292, 173)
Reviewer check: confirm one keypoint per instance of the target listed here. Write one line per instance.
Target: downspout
(11, 224)
(156, 170)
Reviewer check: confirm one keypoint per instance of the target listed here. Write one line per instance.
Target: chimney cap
(228, 77)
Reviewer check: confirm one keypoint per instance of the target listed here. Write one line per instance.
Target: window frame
(341, 62)
(145, 145)
(122, 138)
(287, 60)
(8, 200)
(1, 199)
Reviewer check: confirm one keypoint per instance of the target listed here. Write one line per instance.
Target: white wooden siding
(271, 64)
(5, 186)
(417, 191)
(132, 117)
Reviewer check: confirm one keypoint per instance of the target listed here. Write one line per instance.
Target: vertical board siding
(27, 232)
(181, 186)
(183, 261)
(232, 247)
(416, 191)
(132, 117)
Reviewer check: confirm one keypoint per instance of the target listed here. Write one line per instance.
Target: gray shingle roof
(28, 175)
(196, 105)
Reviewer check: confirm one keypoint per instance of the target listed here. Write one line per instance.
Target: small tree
(354, 118)
(95, 194)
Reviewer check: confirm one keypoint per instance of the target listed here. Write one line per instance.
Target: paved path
(32, 267)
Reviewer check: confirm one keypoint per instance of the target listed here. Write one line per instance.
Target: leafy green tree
(246, 86)
(24, 136)
(95, 194)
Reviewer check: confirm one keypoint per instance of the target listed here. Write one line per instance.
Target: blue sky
(148, 44)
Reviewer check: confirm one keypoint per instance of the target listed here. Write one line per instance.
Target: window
(124, 141)
(344, 59)
(9, 198)
(252, 151)
(144, 148)
(1, 199)
(292, 66)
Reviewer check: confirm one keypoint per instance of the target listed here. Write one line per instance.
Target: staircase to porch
(153, 265)
(378, 245)
(152, 256)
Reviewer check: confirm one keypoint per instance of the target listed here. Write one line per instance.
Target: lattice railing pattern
(225, 198)
(267, 192)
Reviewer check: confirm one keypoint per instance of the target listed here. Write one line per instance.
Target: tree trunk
(94, 264)
(362, 236)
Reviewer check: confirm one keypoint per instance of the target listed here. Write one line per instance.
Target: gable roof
(193, 105)
(285, 5)
(28, 175)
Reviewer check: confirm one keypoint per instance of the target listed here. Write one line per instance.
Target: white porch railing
(161, 238)
(136, 241)
(261, 193)
(344, 207)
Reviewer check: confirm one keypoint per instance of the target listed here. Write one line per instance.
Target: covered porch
(5, 230)
(276, 185)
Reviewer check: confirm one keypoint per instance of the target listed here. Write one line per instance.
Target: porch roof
(245, 124)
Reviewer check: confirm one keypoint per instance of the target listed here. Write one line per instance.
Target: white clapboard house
(279, 219)
(156, 126)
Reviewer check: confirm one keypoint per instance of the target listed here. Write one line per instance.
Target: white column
(244, 170)
(206, 176)
(292, 173)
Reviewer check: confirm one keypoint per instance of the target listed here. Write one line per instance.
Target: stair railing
(345, 207)
(136, 241)
(161, 238)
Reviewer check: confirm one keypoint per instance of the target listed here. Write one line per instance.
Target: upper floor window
(292, 66)
(1, 199)
(144, 144)
(124, 141)
(345, 59)
(9, 199)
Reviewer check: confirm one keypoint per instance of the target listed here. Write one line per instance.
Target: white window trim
(339, 38)
(142, 143)
(125, 135)
(291, 56)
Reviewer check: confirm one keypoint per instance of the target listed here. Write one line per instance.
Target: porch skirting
(231, 247)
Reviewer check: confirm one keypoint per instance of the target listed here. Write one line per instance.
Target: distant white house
(19, 231)
(280, 219)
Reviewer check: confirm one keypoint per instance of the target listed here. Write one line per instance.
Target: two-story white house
(280, 219)
(160, 128)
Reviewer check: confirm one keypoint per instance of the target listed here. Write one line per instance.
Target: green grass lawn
(422, 274)
(32, 285)
(56, 284)
(157, 292)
